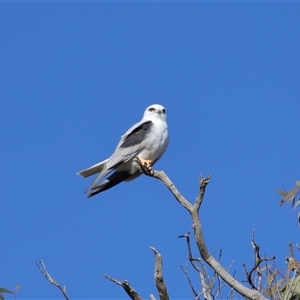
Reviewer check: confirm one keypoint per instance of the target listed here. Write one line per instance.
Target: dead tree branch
(165, 179)
(42, 267)
(190, 256)
(208, 258)
(126, 286)
(257, 261)
(205, 285)
(203, 183)
(158, 276)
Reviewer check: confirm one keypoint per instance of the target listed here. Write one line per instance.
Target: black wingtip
(93, 193)
(108, 183)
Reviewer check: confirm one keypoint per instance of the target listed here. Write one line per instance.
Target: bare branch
(209, 259)
(220, 255)
(161, 175)
(190, 256)
(42, 267)
(203, 183)
(221, 283)
(158, 276)
(258, 261)
(206, 287)
(126, 286)
(215, 275)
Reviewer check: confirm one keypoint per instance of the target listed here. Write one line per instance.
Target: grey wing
(128, 147)
(130, 144)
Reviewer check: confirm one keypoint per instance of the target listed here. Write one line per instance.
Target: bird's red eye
(151, 109)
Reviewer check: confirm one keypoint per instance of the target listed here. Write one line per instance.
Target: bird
(146, 140)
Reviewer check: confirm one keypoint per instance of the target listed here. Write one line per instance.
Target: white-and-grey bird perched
(147, 139)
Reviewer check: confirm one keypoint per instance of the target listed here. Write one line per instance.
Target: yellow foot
(147, 164)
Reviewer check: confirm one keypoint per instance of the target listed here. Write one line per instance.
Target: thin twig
(218, 291)
(206, 288)
(42, 267)
(126, 286)
(190, 256)
(258, 262)
(256, 249)
(189, 281)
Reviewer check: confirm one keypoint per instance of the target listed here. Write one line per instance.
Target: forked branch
(158, 277)
(126, 286)
(42, 267)
(256, 267)
(193, 209)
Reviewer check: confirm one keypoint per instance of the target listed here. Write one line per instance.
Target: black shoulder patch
(137, 135)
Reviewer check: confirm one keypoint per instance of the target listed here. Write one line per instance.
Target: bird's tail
(108, 183)
(97, 168)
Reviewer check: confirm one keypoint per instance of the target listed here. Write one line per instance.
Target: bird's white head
(156, 110)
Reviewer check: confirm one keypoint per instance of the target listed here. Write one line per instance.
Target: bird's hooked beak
(159, 112)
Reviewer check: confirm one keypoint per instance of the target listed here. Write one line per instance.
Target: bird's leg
(146, 163)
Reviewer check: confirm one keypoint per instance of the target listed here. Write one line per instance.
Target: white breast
(156, 142)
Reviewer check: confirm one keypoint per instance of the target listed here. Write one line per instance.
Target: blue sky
(75, 76)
